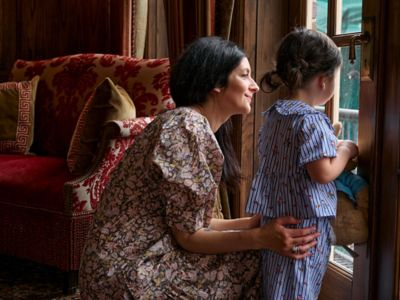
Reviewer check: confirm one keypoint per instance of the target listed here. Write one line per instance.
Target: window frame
(337, 280)
(377, 127)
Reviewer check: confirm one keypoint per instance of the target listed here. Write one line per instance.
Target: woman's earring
(323, 86)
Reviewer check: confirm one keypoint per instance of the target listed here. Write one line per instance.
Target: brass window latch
(357, 38)
(366, 40)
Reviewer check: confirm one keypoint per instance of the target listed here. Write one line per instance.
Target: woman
(153, 235)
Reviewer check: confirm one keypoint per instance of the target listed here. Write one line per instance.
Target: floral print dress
(168, 178)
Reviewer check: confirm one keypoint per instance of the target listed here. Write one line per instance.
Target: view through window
(346, 20)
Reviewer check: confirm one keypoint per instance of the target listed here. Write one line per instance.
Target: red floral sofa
(45, 211)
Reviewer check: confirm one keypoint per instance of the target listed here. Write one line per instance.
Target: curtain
(186, 21)
(223, 17)
(190, 19)
(139, 13)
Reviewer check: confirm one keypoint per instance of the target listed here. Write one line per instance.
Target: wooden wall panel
(272, 27)
(8, 34)
(40, 29)
(244, 32)
(48, 27)
(257, 26)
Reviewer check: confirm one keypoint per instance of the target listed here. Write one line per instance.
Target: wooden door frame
(385, 237)
(257, 26)
(379, 158)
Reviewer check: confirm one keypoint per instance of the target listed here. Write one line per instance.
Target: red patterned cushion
(109, 102)
(17, 102)
(66, 84)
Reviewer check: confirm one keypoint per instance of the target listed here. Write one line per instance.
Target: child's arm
(327, 169)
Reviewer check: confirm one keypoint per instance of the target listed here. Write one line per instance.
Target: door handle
(360, 38)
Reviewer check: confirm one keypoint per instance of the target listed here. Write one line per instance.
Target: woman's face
(236, 97)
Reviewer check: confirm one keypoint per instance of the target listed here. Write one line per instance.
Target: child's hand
(349, 146)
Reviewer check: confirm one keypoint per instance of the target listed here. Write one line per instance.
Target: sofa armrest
(83, 193)
(126, 128)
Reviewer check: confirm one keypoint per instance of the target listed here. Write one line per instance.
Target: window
(376, 269)
(345, 19)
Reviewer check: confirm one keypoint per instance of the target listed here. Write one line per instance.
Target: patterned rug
(22, 279)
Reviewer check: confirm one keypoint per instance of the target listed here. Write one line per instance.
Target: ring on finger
(295, 249)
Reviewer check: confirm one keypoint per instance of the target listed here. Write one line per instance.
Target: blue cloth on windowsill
(350, 184)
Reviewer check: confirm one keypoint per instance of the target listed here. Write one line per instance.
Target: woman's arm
(327, 169)
(273, 235)
(235, 224)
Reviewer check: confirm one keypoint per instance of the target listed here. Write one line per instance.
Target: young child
(299, 159)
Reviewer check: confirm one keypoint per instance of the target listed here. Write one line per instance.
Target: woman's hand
(275, 236)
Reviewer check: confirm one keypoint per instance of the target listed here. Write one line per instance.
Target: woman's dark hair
(205, 64)
(231, 169)
(302, 54)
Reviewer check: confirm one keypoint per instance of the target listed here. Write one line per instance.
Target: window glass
(345, 104)
(349, 95)
(320, 15)
(349, 92)
(350, 12)
(342, 257)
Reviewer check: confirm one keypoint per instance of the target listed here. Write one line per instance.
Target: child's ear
(322, 81)
(217, 90)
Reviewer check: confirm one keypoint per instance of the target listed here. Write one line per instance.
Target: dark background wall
(39, 29)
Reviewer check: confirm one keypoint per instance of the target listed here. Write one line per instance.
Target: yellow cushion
(17, 108)
(108, 102)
